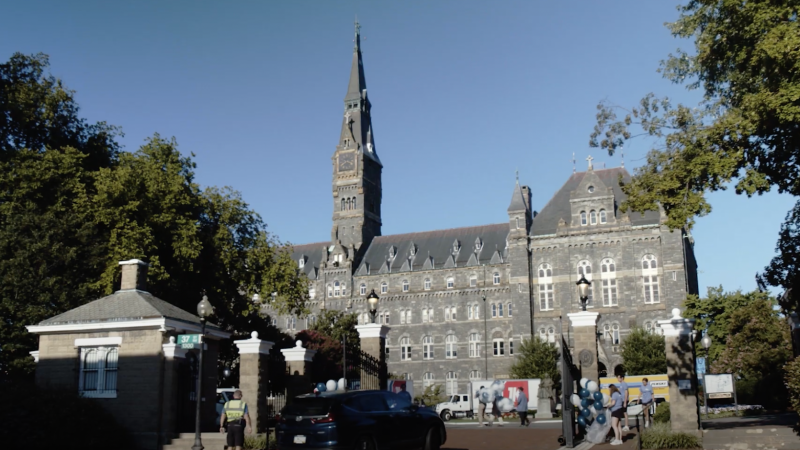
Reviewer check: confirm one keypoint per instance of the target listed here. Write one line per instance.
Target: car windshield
(309, 406)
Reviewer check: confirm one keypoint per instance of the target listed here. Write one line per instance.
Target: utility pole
(485, 347)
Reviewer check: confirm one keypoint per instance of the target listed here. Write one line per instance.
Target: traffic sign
(189, 339)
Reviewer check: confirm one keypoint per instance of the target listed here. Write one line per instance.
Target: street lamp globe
(204, 308)
(706, 342)
(583, 290)
(372, 299)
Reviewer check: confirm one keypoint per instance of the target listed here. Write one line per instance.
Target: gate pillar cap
(677, 325)
(298, 353)
(583, 318)
(254, 345)
(173, 350)
(372, 330)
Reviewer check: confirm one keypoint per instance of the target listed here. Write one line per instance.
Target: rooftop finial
(357, 39)
(622, 156)
(589, 158)
(573, 163)
(517, 176)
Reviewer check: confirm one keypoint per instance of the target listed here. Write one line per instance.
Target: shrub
(662, 413)
(54, 417)
(792, 381)
(661, 436)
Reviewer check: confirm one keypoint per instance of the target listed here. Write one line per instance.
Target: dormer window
(590, 189)
(301, 262)
(479, 244)
(456, 246)
(602, 216)
(583, 218)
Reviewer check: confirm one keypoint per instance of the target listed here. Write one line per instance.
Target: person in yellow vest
(235, 411)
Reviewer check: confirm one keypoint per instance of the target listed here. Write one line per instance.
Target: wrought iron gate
(364, 371)
(569, 373)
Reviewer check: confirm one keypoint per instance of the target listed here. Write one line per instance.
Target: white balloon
(606, 399)
(330, 385)
(505, 405)
(575, 399)
(340, 384)
(592, 386)
(582, 383)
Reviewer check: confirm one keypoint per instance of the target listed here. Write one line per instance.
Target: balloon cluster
(591, 402)
(331, 385)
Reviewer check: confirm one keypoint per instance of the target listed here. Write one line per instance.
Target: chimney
(134, 275)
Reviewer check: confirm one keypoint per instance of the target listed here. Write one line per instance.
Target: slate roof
(517, 200)
(120, 306)
(437, 244)
(313, 255)
(546, 222)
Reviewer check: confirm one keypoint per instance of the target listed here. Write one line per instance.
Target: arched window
(408, 316)
(451, 348)
(336, 288)
(312, 291)
(405, 285)
(545, 283)
(427, 347)
(427, 379)
(451, 385)
(593, 217)
(384, 288)
(551, 335)
(343, 205)
(354, 203)
(543, 334)
(494, 310)
(602, 216)
(583, 218)
(473, 281)
(608, 274)
(450, 283)
(650, 279)
(91, 369)
(330, 291)
(362, 289)
(405, 349)
(585, 269)
(348, 204)
(427, 284)
(344, 289)
(500, 309)
(496, 278)
(509, 309)
(611, 332)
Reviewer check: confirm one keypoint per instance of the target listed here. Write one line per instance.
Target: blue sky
(464, 93)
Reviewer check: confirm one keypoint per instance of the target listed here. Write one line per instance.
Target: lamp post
(372, 299)
(204, 309)
(706, 343)
(583, 291)
(485, 348)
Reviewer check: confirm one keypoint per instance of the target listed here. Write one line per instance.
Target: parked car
(361, 420)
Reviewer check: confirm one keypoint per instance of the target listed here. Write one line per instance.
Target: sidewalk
(751, 432)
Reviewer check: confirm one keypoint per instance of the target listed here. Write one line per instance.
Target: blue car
(358, 420)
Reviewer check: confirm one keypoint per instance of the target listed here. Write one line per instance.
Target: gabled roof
(546, 222)
(439, 245)
(313, 253)
(120, 306)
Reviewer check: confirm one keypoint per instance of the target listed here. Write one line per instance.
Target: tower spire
(358, 83)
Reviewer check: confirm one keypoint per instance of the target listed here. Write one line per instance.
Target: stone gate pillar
(298, 367)
(373, 342)
(584, 327)
(253, 376)
(173, 355)
(679, 346)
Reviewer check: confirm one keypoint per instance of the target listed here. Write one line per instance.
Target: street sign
(720, 395)
(189, 339)
(701, 366)
(190, 346)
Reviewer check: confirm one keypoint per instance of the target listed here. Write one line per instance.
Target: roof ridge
(320, 244)
(393, 236)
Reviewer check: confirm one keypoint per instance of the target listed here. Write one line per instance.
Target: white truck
(466, 405)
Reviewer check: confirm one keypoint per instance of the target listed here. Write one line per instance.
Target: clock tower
(356, 169)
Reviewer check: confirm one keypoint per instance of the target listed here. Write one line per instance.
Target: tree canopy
(72, 205)
(644, 353)
(744, 131)
(536, 358)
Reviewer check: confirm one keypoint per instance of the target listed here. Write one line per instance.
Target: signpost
(190, 341)
(720, 386)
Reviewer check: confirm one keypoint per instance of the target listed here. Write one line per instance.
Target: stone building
(120, 351)
(458, 300)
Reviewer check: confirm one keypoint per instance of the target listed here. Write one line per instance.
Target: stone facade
(458, 300)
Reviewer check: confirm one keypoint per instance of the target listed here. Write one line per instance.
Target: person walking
(616, 414)
(482, 408)
(521, 405)
(623, 390)
(235, 412)
(646, 399)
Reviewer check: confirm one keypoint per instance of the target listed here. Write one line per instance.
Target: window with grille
(450, 283)
(583, 218)
(427, 379)
(510, 347)
(499, 310)
(336, 288)
(427, 284)
(475, 375)
(405, 349)
(545, 282)
(427, 347)
(499, 347)
(602, 216)
(608, 274)
(650, 279)
(494, 310)
(451, 348)
(384, 288)
(496, 278)
(405, 285)
(362, 289)
(425, 317)
(474, 345)
(473, 281)
(509, 310)
(98, 371)
(451, 384)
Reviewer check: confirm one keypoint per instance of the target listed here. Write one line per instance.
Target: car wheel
(365, 443)
(446, 415)
(433, 440)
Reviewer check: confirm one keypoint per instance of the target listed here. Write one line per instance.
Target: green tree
(338, 324)
(536, 358)
(432, 395)
(757, 348)
(644, 353)
(784, 269)
(746, 61)
(714, 312)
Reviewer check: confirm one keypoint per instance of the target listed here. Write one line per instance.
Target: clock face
(347, 161)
